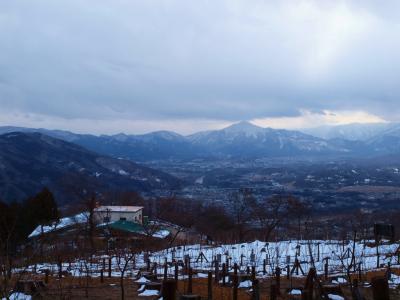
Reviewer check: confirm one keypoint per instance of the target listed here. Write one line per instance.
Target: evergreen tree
(42, 209)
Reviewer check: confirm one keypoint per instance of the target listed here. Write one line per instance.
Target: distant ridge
(29, 161)
(242, 139)
(351, 132)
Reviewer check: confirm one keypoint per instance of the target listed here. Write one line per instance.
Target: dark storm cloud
(227, 60)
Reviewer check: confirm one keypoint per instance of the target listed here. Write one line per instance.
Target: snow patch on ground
(202, 275)
(245, 284)
(142, 280)
(335, 297)
(339, 280)
(63, 223)
(19, 296)
(161, 234)
(148, 293)
(123, 172)
(295, 292)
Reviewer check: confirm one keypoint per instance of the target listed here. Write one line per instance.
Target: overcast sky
(136, 66)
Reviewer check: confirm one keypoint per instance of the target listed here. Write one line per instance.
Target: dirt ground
(92, 288)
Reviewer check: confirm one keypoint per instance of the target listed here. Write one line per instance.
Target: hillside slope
(29, 161)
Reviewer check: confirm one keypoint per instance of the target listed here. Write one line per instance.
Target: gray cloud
(219, 60)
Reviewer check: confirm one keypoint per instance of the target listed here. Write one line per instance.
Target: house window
(106, 219)
(122, 219)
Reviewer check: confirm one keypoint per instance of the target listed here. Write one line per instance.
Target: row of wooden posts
(220, 274)
(296, 269)
(380, 286)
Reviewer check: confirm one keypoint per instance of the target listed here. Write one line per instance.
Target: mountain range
(72, 164)
(239, 140)
(31, 160)
(353, 132)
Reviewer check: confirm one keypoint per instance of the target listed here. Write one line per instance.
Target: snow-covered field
(275, 254)
(284, 253)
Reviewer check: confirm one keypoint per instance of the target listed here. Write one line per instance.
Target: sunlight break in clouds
(109, 126)
(309, 119)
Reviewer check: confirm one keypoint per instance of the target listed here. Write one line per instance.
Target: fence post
(176, 273)
(388, 272)
(278, 280)
(288, 272)
(59, 268)
(264, 266)
(307, 292)
(356, 292)
(187, 264)
(101, 275)
(46, 276)
(169, 289)
(223, 274)
(148, 264)
(256, 290)
(377, 254)
(272, 294)
(380, 288)
(209, 286)
(165, 269)
(190, 285)
(216, 279)
(235, 287)
(155, 269)
(109, 267)
(326, 268)
(253, 273)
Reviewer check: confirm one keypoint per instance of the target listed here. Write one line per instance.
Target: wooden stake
(272, 294)
(109, 267)
(169, 289)
(256, 290)
(278, 279)
(216, 279)
(209, 286)
(235, 287)
(380, 288)
(190, 285)
(223, 274)
(264, 266)
(176, 273)
(165, 269)
(46, 276)
(253, 273)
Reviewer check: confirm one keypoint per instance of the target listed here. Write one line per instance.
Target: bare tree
(123, 258)
(91, 204)
(239, 204)
(8, 222)
(271, 212)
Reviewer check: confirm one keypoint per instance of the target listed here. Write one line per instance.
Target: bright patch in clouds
(109, 126)
(309, 119)
(339, 29)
